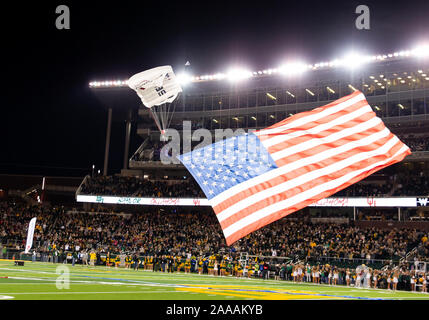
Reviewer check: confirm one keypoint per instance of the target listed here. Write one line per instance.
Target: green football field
(37, 281)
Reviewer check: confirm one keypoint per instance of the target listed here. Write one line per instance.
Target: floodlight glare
(239, 74)
(354, 60)
(292, 68)
(421, 51)
(184, 78)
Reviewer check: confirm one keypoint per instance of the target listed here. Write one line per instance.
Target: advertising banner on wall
(327, 202)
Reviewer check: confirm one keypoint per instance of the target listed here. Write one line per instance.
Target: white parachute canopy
(157, 88)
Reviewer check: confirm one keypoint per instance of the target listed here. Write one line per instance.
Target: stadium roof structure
(350, 61)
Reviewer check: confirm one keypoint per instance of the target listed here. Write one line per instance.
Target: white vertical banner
(30, 234)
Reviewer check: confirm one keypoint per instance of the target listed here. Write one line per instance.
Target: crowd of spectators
(413, 185)
(182, 233)
(138, 187)
(365, 190)
(416, 143)
(173, 231)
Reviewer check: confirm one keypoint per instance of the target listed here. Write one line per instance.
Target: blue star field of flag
(228, 162)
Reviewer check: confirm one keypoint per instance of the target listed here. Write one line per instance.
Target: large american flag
(256, 178)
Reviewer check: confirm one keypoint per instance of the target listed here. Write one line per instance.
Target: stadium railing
(79, 189)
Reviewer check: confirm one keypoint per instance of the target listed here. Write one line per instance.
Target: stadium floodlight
(310, 92)
(293, 96)
(237, 74)
(401, 106)
(184, 78)
(421, 51)
(354, 60)
(271, 96)
(330, 90)
(292, 68)
(351, 87)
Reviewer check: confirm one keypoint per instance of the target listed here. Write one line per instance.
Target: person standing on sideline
(300, 275)
(358, 280)
(375, 279)
(136, 262)
(85, 258)
(33, 258)
(317, 275)
(395, 280)
(424, 284)
(330, 277)
(265, 270)
(308, 273)
(389, 280)
(368, 278)
(74, 258)
(413, 283)
(348, 277)
(335, 278)
(93, 257)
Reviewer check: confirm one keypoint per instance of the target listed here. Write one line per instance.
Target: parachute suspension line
(167, 115)
(162, 115)
(174, 103)
(155, 117)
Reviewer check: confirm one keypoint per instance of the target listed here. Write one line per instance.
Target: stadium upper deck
(396, 86)
(398, 91)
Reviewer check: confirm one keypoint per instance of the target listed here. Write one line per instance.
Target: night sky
(51, 123)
